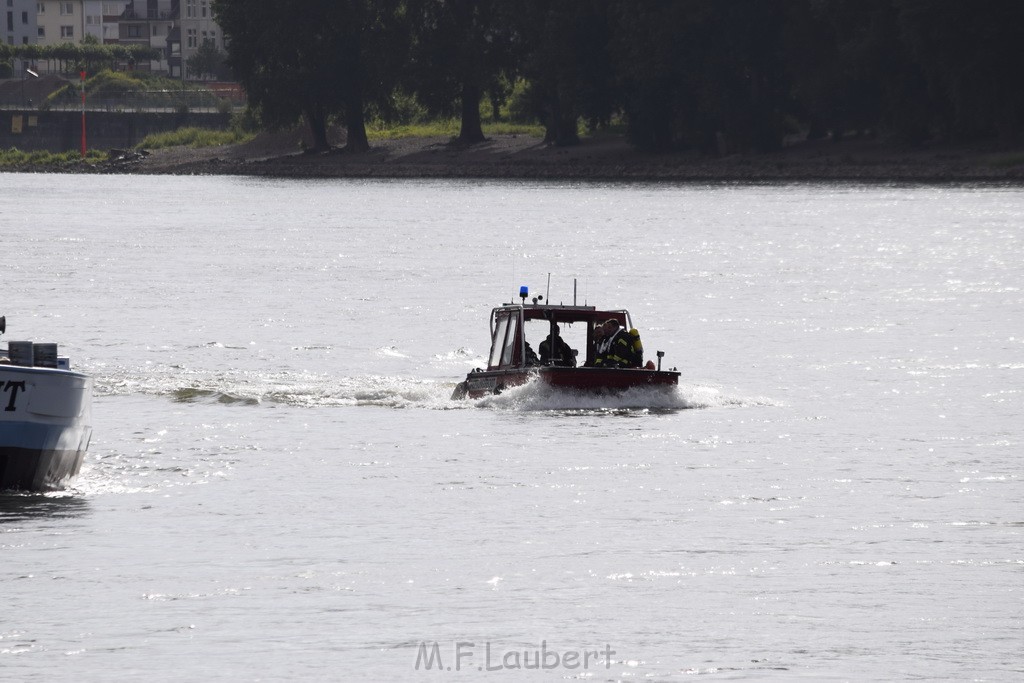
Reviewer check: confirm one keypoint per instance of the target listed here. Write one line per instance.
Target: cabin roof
(565, 314)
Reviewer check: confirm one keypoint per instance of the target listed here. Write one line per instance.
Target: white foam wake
(313, 390)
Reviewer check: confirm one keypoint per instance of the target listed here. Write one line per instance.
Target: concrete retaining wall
(61, 131)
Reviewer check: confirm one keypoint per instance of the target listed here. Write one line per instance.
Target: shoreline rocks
(603, 159)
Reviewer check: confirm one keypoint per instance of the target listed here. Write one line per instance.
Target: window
(508, 356)
(498, 343)
(41, 31)
(67, 8)
(24, 18)
(156, 29)
(10, 21)
(67, 31)
(41, 8)
(190, 8)
(203, 6)
(192, 41)
(132, 31)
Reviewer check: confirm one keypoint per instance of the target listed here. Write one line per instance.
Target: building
(102, 18)
(197, 27)
(20, 22)
(176, 28)
(59, 21)
(149, 23)
(70, 21)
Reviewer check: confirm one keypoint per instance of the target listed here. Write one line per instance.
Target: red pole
(82, 74)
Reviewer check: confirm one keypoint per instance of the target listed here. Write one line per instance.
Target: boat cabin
(556, 344)
(517, 331)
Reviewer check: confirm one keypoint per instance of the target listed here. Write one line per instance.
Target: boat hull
(45, 427)
(590, 380)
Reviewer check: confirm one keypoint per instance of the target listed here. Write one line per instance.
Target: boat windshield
(498, 342)
(510, 339)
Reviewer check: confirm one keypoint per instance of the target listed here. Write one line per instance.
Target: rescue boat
(513, 361)
(45, 417)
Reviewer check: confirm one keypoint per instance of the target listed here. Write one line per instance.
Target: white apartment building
(177, 28)
(19, 17)
(69, 21)
(149, 22)
(59, 21)
(102, 18)
(197, 27)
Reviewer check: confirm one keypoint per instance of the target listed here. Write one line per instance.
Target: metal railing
(149, 15)
(225, 100)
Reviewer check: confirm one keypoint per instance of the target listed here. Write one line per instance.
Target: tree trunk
(568, 134)
(355, 124)
(317, 129)
(471, 131)
(560, 130)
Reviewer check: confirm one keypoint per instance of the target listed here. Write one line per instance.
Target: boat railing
(29, 354)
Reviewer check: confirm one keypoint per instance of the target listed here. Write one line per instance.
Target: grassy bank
(200, 137)
(195, 137)
(447, 128)
(14, 157)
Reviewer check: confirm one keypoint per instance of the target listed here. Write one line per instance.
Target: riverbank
(599, 158)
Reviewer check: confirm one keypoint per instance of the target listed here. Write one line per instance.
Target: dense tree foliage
(973, 62)
(567, 65)
(327, 58)
(208, 61)
(476, 41)
(88, 55)
(716, 75)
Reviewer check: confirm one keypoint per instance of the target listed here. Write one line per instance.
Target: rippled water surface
(279, 487)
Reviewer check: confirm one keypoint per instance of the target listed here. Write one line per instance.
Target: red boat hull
(592, 380)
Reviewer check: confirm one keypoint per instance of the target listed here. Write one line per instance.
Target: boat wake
(254, 388)
(538, 396)
(312, 390)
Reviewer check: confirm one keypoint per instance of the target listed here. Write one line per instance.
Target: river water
(279, 488)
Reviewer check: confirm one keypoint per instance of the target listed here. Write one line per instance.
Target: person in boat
(618, 349)
(598, 338)
(555, 351)
(531, 355)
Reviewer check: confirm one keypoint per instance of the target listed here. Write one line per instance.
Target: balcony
(150, 15)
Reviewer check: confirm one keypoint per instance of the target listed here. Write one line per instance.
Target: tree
(654, 46)
(850, 70)
(460, 48)
(207, 60)
(568, 64)
(6, 68)
(284, 60)
(326, 60)
(971, 57)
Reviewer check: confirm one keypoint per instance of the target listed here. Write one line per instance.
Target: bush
(127, 90)
(14, 157)
(246, 121)
(522, 103)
